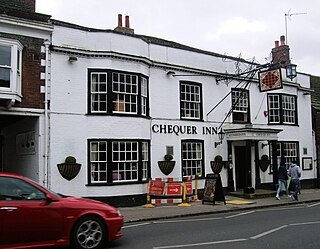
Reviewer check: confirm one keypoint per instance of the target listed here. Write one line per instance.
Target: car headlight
(118, 212)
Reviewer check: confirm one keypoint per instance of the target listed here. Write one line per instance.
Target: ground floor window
(288, 151)
(118, 161)
(192, 158)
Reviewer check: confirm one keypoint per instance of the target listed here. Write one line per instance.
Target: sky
(239, 28)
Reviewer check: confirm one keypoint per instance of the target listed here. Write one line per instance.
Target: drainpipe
(46, 118)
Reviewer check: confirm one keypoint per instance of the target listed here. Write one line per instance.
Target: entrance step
(258, 193)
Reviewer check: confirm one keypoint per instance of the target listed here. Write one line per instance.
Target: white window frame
(15, 67)
(145, 160)
(119, 93)
(125, 88)
(288, 109)
(282, 109)
(240, 104)
(144, 95)
(99, 98)
(118, 161)
(287, 150)
(274, 109)
(127, 160)
(98, 161)
(190, 101)
(192, 157)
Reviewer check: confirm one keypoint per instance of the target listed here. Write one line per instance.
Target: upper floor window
(282, 109)
(10, 66)
(119, 161)
(240, 105)
(114, 92)
(190, 100)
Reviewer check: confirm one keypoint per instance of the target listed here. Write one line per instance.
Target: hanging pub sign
(270, 80)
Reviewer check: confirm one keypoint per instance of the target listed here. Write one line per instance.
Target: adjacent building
(116, 102)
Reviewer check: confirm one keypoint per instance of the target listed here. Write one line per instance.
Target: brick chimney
(125, 29)
(281, 53)
(24, 5)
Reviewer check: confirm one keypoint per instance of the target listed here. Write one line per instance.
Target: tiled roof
(29, 15)
(148, 39)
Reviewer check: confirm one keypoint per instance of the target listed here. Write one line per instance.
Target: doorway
(243, 166)
(240, 158)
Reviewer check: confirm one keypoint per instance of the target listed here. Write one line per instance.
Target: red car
(32, 216)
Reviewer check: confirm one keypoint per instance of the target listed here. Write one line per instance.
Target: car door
(26, 215)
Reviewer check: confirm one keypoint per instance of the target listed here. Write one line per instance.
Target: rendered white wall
(71, 127)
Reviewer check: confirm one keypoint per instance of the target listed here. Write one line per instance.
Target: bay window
(118, 161)
(10, 68)
(115, 92)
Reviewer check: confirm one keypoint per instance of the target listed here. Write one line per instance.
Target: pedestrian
(282, 179)
(295, 174)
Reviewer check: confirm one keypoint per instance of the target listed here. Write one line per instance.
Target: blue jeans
(296, 187)
(280, 182)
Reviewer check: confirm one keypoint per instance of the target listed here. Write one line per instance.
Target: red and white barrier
(170, 190)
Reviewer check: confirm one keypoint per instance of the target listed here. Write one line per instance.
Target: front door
(240, 158)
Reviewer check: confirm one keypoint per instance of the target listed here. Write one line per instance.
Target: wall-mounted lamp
(72, 59)
(291, 71)
(263, 145)
(171, 73)
(221, 135)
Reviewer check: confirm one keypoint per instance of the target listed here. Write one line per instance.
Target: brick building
(24, 52)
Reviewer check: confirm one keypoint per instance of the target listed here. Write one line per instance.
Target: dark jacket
(282, 172)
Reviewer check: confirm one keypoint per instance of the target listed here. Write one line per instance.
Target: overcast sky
(233, 27)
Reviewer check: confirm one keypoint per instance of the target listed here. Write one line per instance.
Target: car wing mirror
(49, 198)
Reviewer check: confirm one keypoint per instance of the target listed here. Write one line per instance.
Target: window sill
(98, 184)
(9, 98)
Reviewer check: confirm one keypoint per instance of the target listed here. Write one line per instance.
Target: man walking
(295, 174)
(282, 179)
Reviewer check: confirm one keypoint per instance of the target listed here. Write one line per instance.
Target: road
(285, 227)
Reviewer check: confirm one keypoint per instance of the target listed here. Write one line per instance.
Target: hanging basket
(264, 163)
(166, 167)
(217, 164)
(69, 171)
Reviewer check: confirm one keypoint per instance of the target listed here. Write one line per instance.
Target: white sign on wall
(25, 143)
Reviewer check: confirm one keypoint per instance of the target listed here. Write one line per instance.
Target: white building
(119, 102)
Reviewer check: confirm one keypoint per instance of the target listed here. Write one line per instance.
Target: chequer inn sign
(184, 129)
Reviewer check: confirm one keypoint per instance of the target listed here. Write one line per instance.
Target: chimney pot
(119, 20)
(283, 40)
(127, 22)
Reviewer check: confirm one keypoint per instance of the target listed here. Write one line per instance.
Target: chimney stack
(281, 54)
(127, 22)
(122, 29)
(119, 20)
(23, 5)
(283, 40)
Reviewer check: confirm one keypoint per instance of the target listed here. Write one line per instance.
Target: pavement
(233, 204)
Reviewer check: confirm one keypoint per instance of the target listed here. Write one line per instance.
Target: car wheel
(88, 232)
